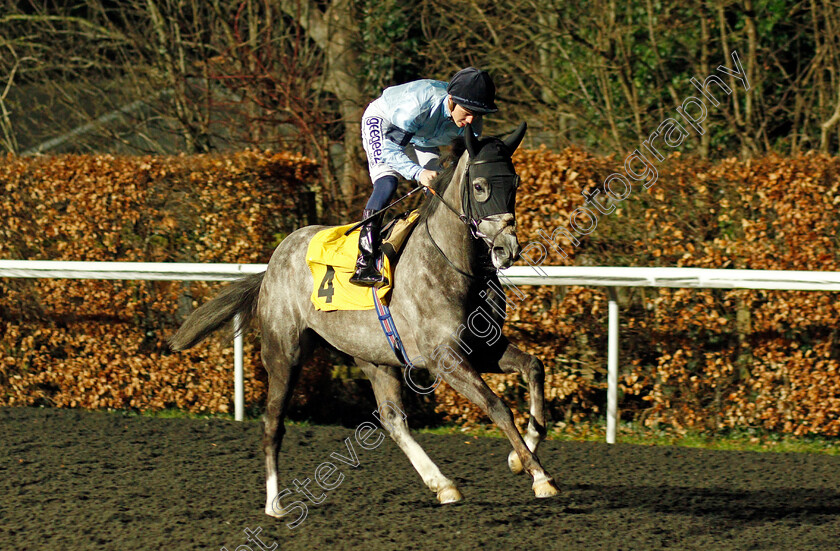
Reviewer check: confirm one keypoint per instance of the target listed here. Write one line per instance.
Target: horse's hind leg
(531, 368)
(386, 386)
(282, 358)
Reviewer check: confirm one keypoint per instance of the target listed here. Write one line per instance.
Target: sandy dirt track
(76, 480)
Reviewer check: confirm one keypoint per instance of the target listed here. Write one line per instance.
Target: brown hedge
(707, 359)
(101, 344)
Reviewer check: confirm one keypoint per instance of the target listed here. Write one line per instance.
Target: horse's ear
(513, 141)
(471, 141)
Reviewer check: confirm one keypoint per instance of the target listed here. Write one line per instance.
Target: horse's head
(488, 194)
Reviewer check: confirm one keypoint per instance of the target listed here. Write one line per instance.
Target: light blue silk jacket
(418, 114)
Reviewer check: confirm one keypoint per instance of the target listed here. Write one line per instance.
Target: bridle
(472, 215)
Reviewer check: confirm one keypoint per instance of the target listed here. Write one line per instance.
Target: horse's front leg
(386, 387)
(466, 381)
(531, 368)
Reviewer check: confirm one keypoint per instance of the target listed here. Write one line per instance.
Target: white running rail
(59, 269)
(610, 277)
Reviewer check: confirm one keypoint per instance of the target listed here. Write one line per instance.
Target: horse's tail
(240, 297)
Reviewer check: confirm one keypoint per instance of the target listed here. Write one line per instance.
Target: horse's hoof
(546, 488)
(514, 463)
(272, 513)
(449, 495)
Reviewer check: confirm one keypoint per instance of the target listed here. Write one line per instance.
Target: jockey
(425, 114)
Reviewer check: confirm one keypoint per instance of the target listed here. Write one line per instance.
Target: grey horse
(445, 301)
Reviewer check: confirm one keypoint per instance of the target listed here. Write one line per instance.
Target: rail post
(238, 371)
(612, 366)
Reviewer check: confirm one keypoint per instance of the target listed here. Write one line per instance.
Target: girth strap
(390, 329)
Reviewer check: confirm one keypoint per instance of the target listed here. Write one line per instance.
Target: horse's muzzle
(505, 250)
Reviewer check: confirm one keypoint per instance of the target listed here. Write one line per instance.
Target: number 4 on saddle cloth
(331, 258)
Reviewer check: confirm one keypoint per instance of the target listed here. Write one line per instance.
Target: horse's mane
(441, 183)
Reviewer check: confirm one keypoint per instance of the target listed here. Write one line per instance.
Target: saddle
(331, 257)
(396, 232)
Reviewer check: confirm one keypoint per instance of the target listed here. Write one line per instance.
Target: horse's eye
(481, 189)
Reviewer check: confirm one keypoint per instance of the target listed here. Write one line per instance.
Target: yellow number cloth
(331, 257)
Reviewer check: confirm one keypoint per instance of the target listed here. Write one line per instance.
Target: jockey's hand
(426, 177)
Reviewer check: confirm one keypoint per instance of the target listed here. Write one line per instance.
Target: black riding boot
(369, 240)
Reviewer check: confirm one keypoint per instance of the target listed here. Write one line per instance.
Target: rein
(463, 218)
(443, 254)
